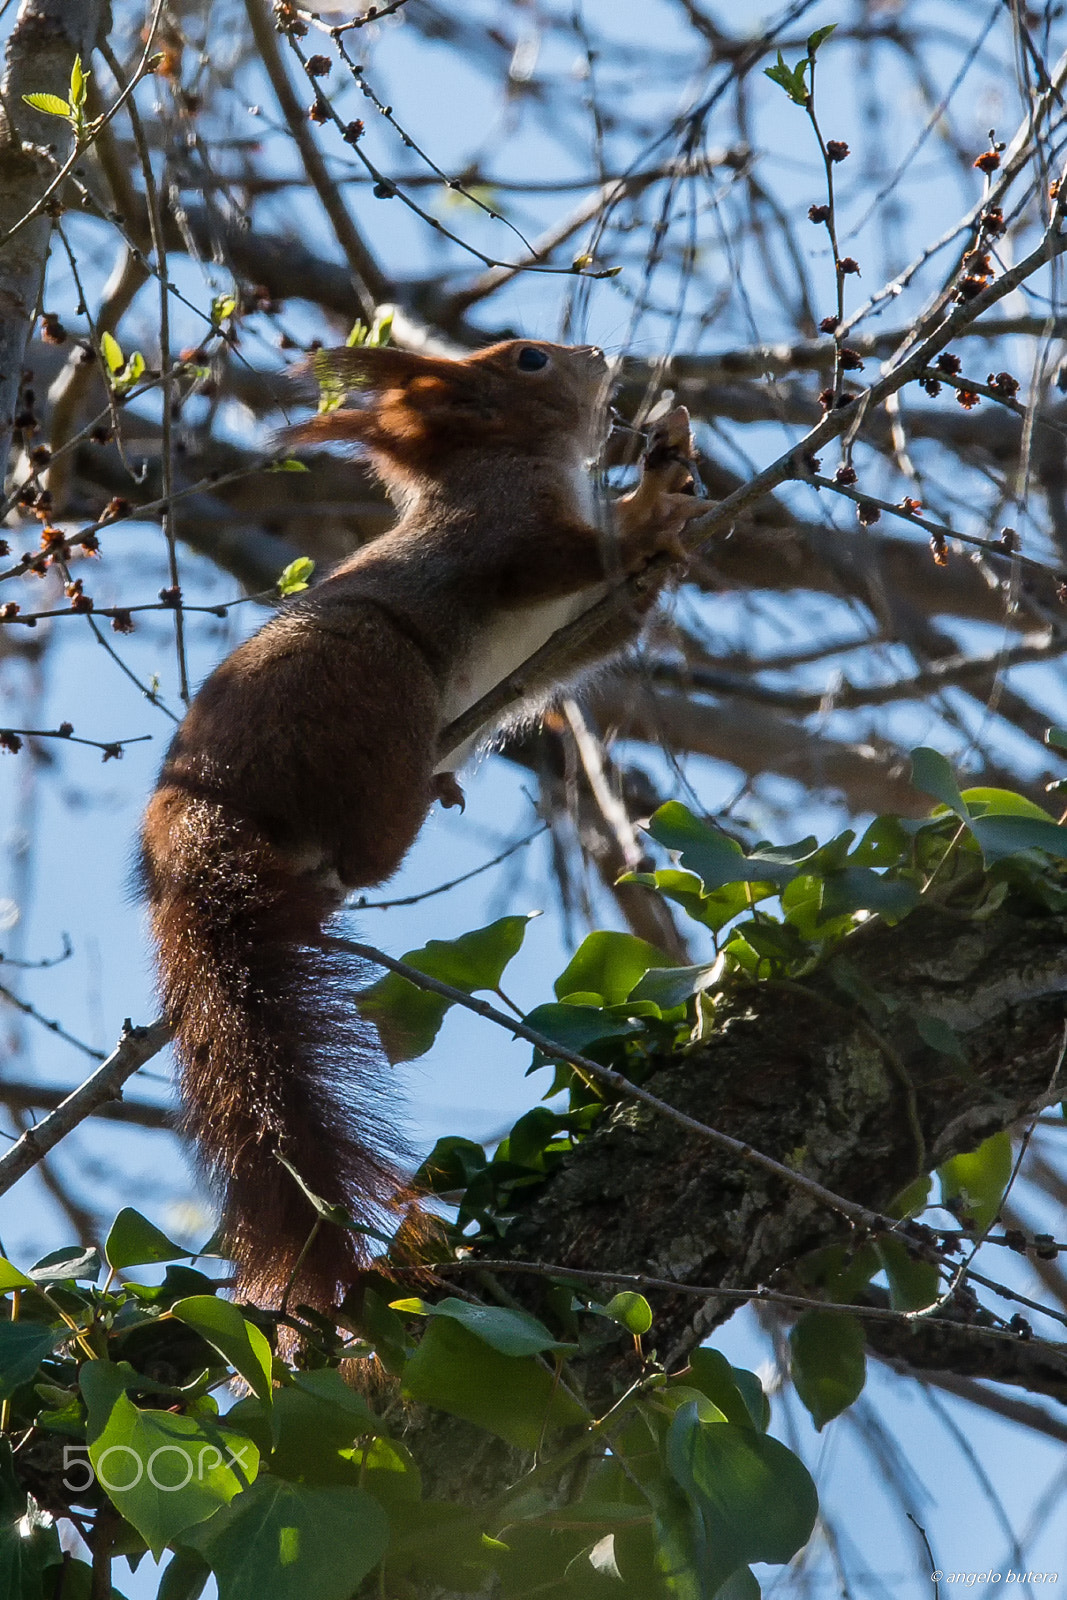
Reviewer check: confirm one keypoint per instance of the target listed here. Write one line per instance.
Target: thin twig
(135, 1047)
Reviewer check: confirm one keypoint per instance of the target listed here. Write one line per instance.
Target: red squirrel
(309, 758)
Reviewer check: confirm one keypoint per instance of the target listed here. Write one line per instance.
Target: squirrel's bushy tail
(272, 1056)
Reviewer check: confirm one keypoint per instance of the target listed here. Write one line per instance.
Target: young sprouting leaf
(379, 333)
(296, 576)
(827, 1363)
(1056, 737)
(130, 374)
(288, 464)
(51, 104)
(111, 351)
(79, 79)
(222, 307)
(819, 37)
(791, 79)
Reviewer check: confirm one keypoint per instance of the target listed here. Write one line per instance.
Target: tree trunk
(48, 34)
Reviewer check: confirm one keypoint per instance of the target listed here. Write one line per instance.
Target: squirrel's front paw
(651, 519)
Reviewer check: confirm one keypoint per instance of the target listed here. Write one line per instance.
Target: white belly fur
(511, 638)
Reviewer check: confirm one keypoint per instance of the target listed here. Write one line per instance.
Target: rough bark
(48, 34)
(803, 1077)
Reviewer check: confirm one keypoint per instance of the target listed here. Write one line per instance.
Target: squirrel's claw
(446, 789)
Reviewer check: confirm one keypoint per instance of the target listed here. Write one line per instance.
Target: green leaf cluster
(306, 1489)
(73, 107)
(123, 373)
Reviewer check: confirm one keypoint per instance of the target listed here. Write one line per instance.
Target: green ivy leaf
(911, 1200)
(978, 1180)
(453, 1163)
(512, 1332)
(827, 1363)
(23, 1346)
(931, 774)
(408, 1019)
(669, 987)
(719, 860)
(12, 1278)
(937, 1033)
(136, 1242)
(913, 1284)
(185, 1578)
(239, 1341)
(317, 1420)
(1002, 803)
(574, 1028)
(631, 1311)
(162, 1471)
(293, 1541)
(297, 575)
(860, 889)
(29, 1543)
(606, 966)
(513, 1397)
(67, 1265)
(754, 1498)
(885, 844)
(738, 1394)
(1000, 836)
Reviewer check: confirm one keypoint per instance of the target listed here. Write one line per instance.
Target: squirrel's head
(524, 397)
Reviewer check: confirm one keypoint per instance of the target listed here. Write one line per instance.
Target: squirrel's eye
(531, 360)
